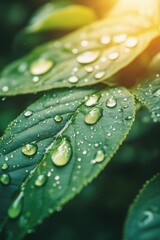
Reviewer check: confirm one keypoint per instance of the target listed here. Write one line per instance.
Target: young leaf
(60, 15)
(148, 91)
(144, 216)
(76, 154)
(87, 56)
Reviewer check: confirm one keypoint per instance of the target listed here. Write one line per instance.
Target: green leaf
(36, 125)
(143, 222)
(74, 150)
(60, 15)
(87, 56)
(148, 91)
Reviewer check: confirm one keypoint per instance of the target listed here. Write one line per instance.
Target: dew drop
(113, 56)
(120, 38)
(58, 118)
(88, 57)
(111, 102)
(5, 88)
(105, 40)
(40, 180)
(131, 42)
(61, 153)
(93, 116)
(4, 166)
(100, 155)
(29, 149)
(5, 179)
(92, 100)
(28, 113)
(89, 69)
(129, 118)
(35, 79)
(73, 79)
(16, 206)
(99, 75)
(41, 66)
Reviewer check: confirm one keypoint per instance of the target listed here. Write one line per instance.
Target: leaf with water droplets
(148, 89)
(144, 215)
(77, 154)
(60, 15)
(90, 55)
(23, 145)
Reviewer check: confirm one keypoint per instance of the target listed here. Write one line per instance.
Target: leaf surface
(60, 15)
(143, 222)
(148, 91)
(74, 150)
(87, 56)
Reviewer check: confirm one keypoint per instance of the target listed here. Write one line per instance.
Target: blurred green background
(99, 212)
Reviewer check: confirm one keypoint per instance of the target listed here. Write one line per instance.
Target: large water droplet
(5, 179)
(120, 38)
(29, 149)
(88, 57)
(58, 118)
(111, 102)
(131, 42)
(99, 156)
(41, 66)
(28, 113)
(93, 116)
(61, 153)
(92, 100)
(4, 166)
(99, 75)
(113, 56)
(41, 180)
(73, 79)
(16, 206)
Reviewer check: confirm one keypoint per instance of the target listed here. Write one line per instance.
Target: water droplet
(29, 149)
(131, 42)
(157, 93)
(73, 79)
(120, 38)
(16, 206)
(5, 89)
(99, 75)
(35, 79)
(113, 56)
(61, 153)
(5, 179)
(41, 66)
(99, 156)
(4, 166)
(93, 116)
(105, 40)
(111, 102)
(88, 57)
(28, 113)
(129, 118)
(84, 43)
(89, 69)
(58, 118)
(92, 100)
(40, 180)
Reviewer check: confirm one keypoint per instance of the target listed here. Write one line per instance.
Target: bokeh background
(99, 211)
